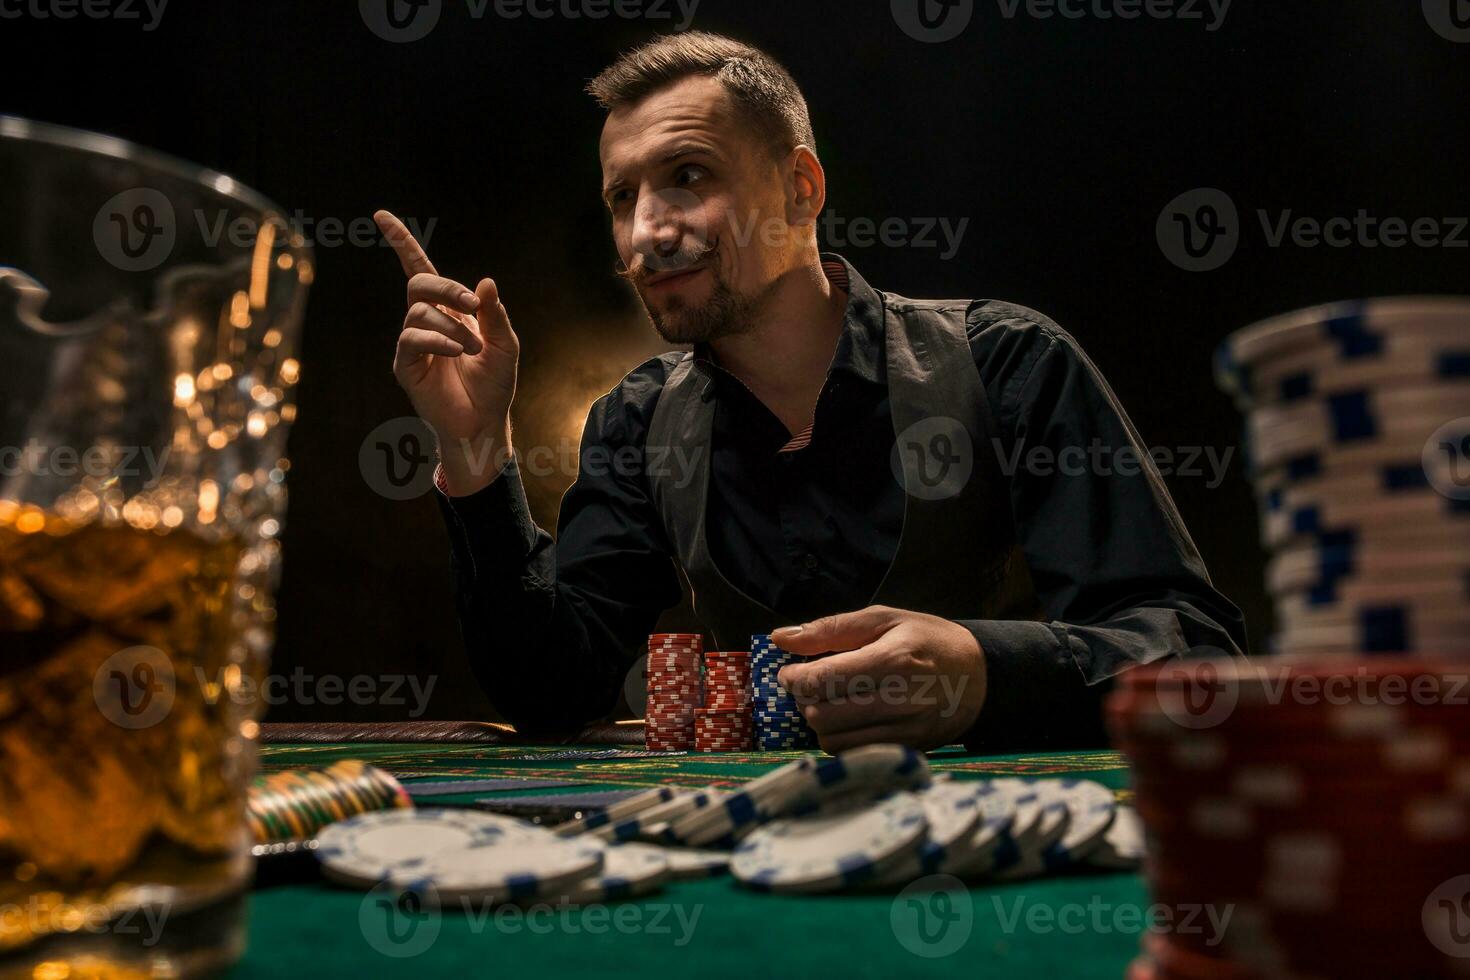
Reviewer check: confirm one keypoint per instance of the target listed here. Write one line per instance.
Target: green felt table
(1065, 926)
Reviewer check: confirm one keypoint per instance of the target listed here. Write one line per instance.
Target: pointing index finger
(410, 254)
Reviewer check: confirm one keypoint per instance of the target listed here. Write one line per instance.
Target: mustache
(649, 265)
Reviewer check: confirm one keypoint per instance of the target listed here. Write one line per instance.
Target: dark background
(1059, 140)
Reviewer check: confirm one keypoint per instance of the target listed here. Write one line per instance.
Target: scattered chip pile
(871, 818)
(294, 805)
(1359, 438)
(723, 724)
(1325, 806)
(674, 691)
(778, 720)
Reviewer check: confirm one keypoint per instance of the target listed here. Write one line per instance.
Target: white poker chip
(997, 818)
(1026, 861)
(655, 823)
(617, 811)
(845, 845)
(1324, 327)
(628, 870)
(1122, 846)
(742, 809)
(504, 869)
(369, 848)
(1092, 809)
(965, 819)
(688, 862)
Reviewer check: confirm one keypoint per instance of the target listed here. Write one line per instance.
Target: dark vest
(957, 555)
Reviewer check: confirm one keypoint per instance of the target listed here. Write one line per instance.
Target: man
(961, 598)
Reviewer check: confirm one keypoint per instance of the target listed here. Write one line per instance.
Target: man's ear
(806, 186)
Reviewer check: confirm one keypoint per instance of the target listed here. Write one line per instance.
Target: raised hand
(457, 358)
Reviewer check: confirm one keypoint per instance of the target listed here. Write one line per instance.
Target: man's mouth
(672, 280)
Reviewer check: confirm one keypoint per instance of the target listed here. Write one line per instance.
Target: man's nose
(658, 226)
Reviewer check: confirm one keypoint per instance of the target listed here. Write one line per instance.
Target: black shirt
(552, 628)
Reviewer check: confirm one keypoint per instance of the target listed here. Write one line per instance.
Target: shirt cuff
(492, 523)
(1032, 673)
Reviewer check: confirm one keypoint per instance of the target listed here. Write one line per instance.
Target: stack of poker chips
(674, 690)
(1359, 440)
(1323, 806)
(295, 804)
(779, 723)
(723, 724)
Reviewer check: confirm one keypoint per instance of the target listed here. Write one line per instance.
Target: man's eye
(690, 175)
(619, 198)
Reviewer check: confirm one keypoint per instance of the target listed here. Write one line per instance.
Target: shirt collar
(860, 349)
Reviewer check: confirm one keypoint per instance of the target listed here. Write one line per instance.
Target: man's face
(698, 210)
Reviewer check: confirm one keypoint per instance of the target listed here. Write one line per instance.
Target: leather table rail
(469, 732)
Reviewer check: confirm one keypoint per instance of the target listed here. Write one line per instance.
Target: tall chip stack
(1359, 442)
(674, 690)
(1319, 799)
(779, 723)
(723, 724)
(1319, 815)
